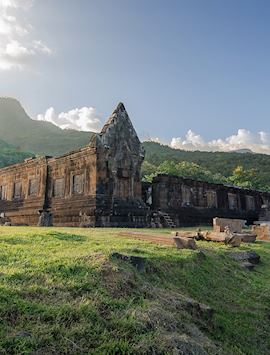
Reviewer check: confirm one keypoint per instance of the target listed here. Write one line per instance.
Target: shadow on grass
(66, 236)
(15, 240)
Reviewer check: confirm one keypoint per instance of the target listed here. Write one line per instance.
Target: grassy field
(62, 292)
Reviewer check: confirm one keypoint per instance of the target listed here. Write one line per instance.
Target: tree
(184, 169)
(247, 178)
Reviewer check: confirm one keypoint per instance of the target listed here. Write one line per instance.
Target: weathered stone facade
(190, 202)
(23, 191)
(119, 188)
(98, 185)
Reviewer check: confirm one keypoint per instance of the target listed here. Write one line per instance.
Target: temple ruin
(188, 202)
(100, 186)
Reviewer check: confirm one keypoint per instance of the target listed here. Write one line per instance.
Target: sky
(194, 74)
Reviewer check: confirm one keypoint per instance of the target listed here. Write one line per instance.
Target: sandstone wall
(64, 186)
(119, 188)
(195, 202)
(22, 191)
(98, 185)
(71, 191)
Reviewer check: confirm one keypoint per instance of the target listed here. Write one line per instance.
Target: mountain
(216, 162)
(11, 155)
(44, 138)
(21, 137)
(243, 151)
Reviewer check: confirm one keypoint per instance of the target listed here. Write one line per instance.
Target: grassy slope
(63, 287)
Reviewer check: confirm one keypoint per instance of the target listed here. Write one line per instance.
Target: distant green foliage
(219, 167)
(43, 138)
(185, 169)
(10, 155)
(249, 178)
(24, 135)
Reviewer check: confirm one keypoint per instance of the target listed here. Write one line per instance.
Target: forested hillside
(221, 162)
(19, 135)
(44, 138)
(10, 155)
(211, 166)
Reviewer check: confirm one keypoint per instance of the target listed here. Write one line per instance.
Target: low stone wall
(235, 225)
(262, 232)
(190, 202)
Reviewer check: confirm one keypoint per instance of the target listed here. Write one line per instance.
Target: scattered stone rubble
(231, 238)
(228, 231)
(230, 234)
(221, 224)
(262, 230)
(185, 243)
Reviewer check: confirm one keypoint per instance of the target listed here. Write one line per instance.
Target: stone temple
(100, 186)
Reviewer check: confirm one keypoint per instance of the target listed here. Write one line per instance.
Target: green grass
(61, 292)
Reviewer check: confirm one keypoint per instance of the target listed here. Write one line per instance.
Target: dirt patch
(174, 329)
(117, 281)
(158, 239)
(184, 344)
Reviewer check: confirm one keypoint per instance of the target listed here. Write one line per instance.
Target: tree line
(245, 178)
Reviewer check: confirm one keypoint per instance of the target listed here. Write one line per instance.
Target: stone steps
(168, 220)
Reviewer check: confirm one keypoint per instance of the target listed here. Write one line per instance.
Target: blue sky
(198, 66)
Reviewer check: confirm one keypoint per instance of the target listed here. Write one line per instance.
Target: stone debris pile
(227, 231)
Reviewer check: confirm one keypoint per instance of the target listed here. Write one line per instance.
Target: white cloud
(153, 139)
(17, 45)
(25, 4)
(80, 119)
(15, 50)
(243, 139)
(39, 46)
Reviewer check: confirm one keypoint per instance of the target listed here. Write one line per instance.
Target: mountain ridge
(216, 162)
(43, 138)
(21, 137)
(10, 155)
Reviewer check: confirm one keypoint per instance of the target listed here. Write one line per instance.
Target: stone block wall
(119, 187)
(23, 191)
(192, 202)
(234, 225)
(71, 188)
(98, 185)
